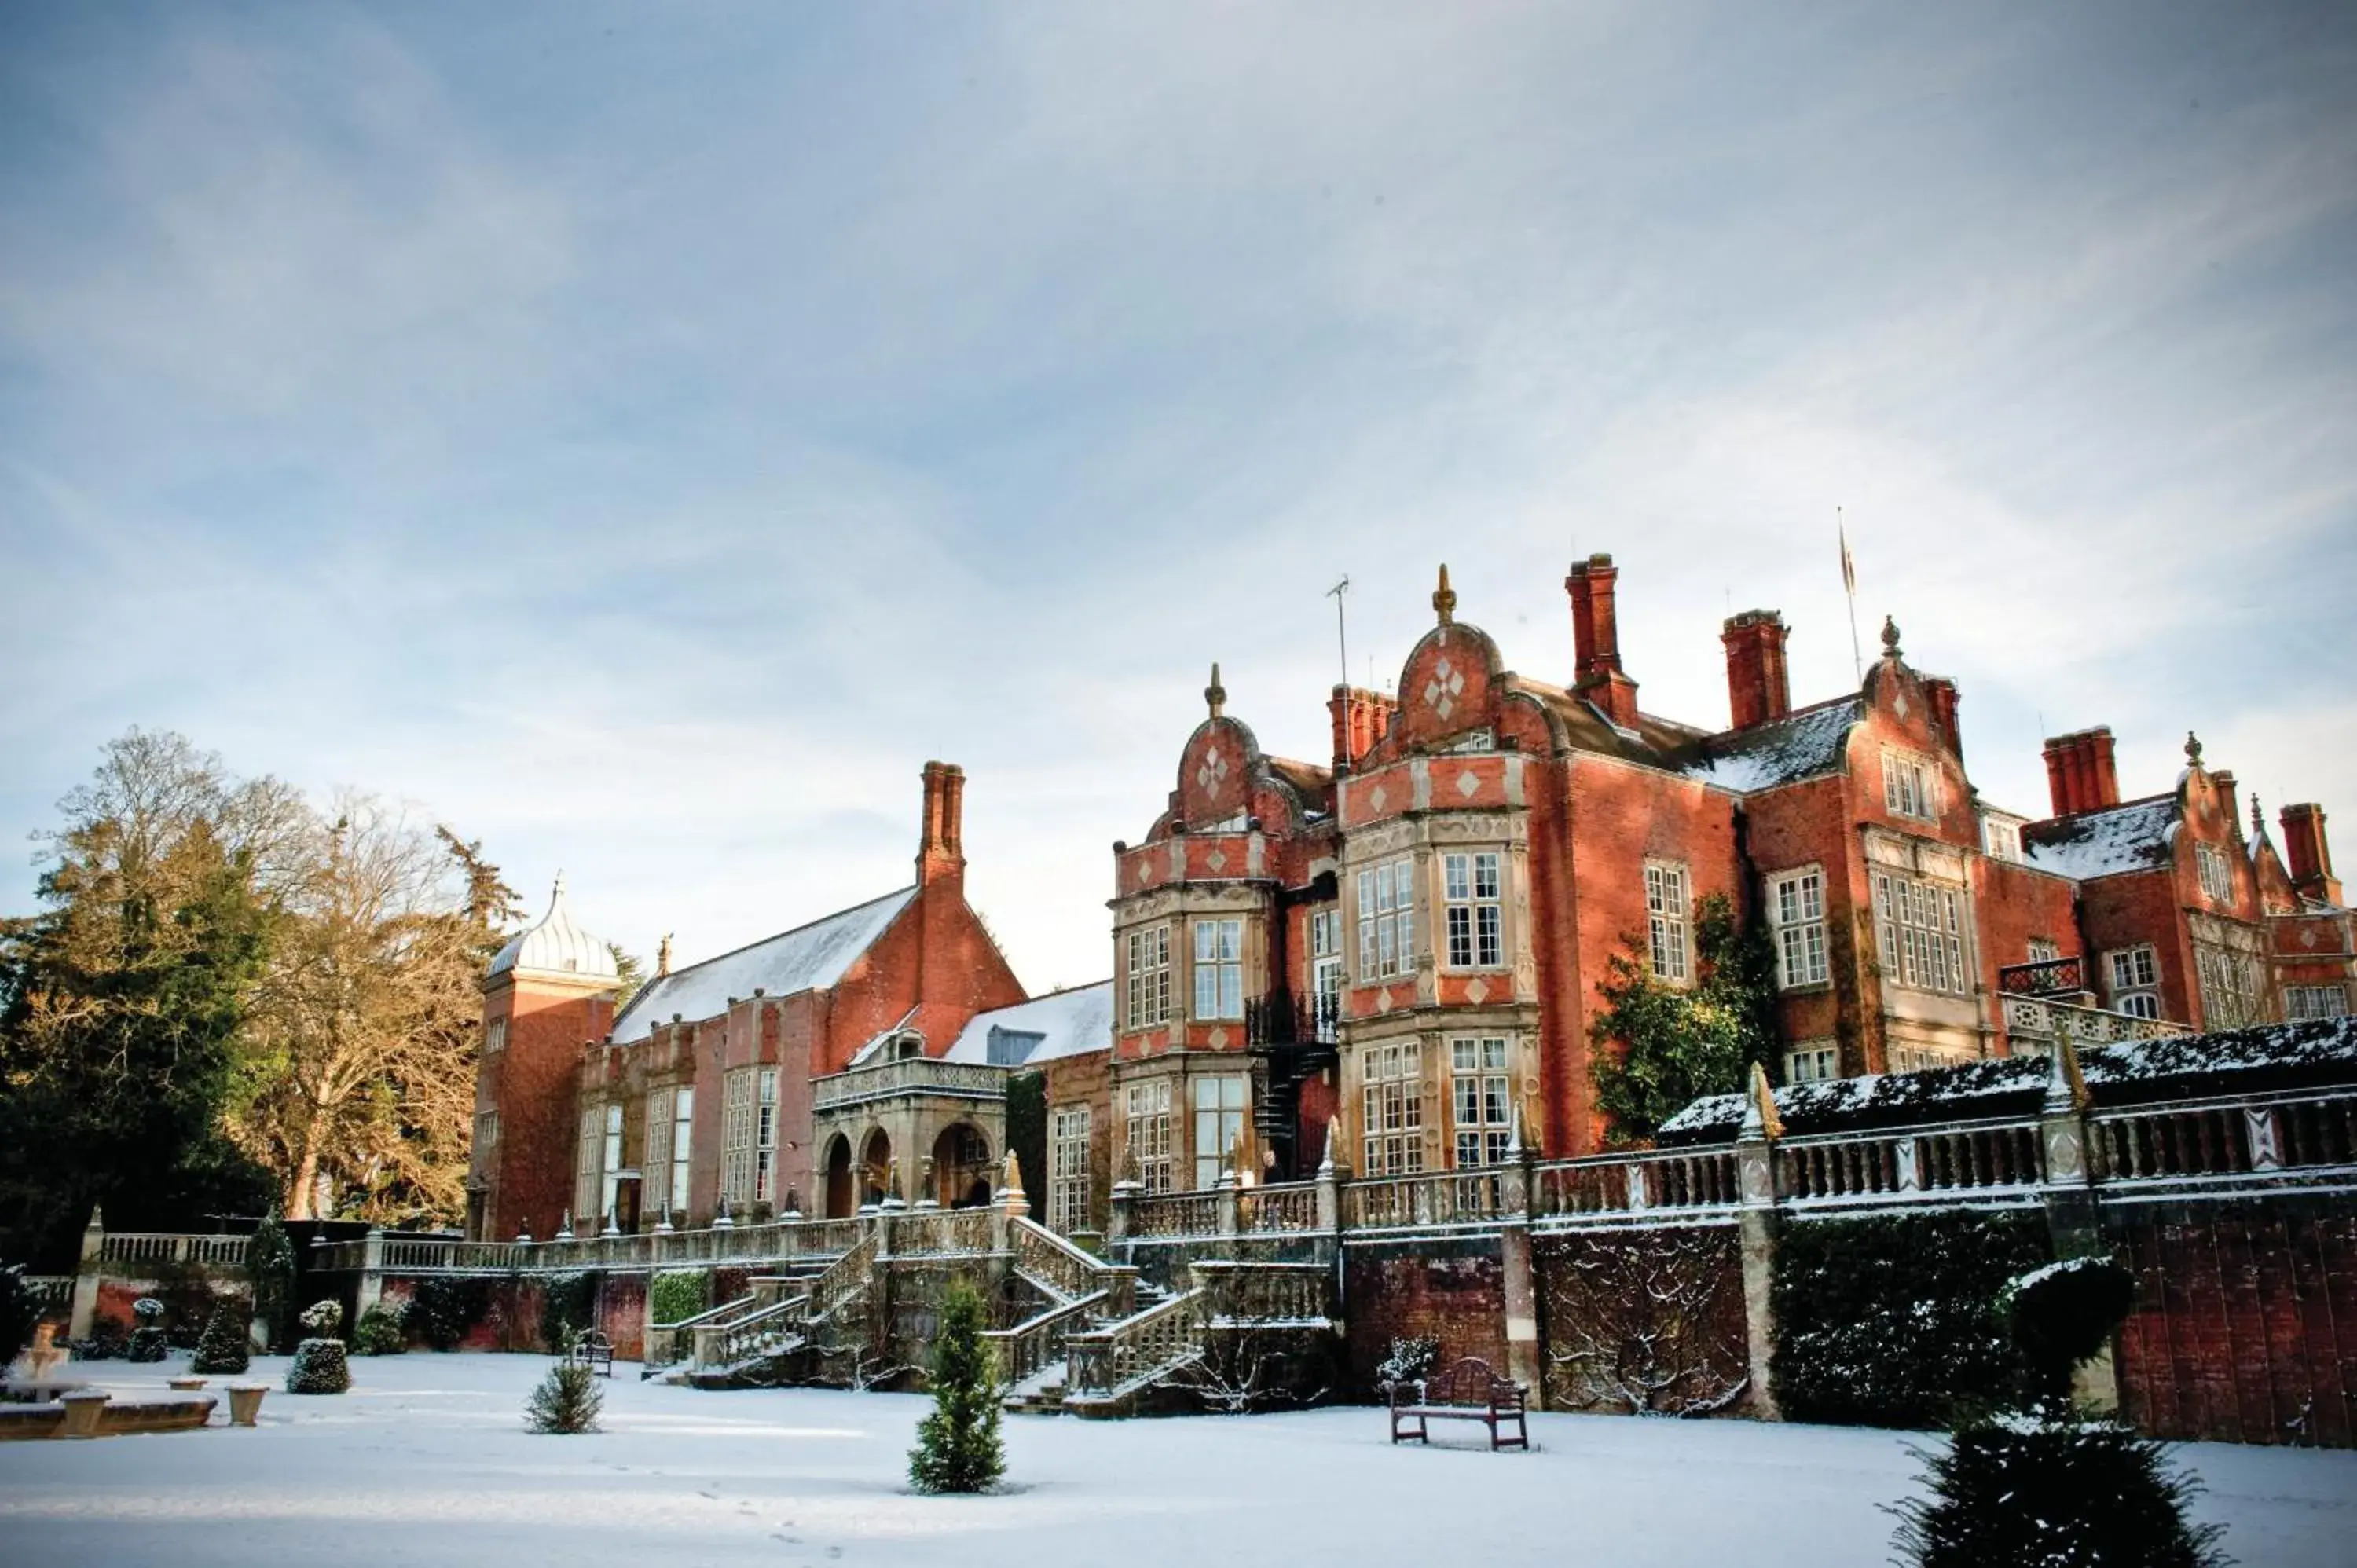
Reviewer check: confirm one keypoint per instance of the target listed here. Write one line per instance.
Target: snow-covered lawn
(426, 1462)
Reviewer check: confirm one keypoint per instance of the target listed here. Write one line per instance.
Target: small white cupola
(554, 945)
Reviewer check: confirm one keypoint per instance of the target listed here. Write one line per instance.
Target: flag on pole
(1850, 572)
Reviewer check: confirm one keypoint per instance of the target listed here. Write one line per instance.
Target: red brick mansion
(1404, 944)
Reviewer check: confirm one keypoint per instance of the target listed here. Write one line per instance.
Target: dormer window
(1907, 789)
(910, 1045)
(2000, 840)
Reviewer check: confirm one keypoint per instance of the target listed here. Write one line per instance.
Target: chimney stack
(2306, 854)
(1942, 693)
(1360, 719)
(1758, 688)
(1596, 674)
(941, 848)
(2079, 772)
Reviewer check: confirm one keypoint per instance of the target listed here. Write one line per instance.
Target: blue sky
(642, 435)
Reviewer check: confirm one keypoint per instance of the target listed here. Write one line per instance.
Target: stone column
(1521, 1279)
(1231, 1206)
(1119, 1219)
(84, 1316)
(371, 1286)
(2074, 1219)
(1332, 1174)
(1754, 1169)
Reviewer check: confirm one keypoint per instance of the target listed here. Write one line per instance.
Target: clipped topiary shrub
(223, 1346)
(378, 1331)
(2062, 1314)
(319, 1366)
(568, 1305)
(2022, 1490)
(1891, 1321)
(679, 1295)
(270, 1265)
(565, 1402)
(147, 1341)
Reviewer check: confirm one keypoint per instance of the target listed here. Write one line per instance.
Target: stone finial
(662, 956)
(1760, 1117)
(1444, 597)
(1889, 638)
(2192, 749)
(1333, 1137)
(2258, 818)
(564, 1226)
(1215, 694)
(2066, 1088)
(523, 1235)
(1011, 1175)
(1514, 1136)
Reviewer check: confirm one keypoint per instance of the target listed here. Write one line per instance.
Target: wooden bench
(1466, 1390)
(591, 1348)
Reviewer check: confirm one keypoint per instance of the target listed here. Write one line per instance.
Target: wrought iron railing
(2047, 977)
(1293, 1019)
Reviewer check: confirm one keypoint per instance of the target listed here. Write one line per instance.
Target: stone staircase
(751, 1345)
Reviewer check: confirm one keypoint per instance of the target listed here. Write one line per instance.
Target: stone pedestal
(84, 1409)
(245, 1402)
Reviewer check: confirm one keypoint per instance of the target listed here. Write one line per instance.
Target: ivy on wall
(568, 1305)
(1893, 1320)
(679, 1295)
(1662, 1046)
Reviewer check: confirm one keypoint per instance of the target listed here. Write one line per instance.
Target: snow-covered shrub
(378, 1331)
(222, 1346)
(2062, 1314)
(2018, 1489)
(270, 1265)
(568, 1305)
(147, 1343)
(1892, 1321)
(1407, 1361)
(679, 1295)
(566, 1401)
(318, 1368)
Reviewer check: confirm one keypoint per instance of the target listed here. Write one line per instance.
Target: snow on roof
(554, 945)
(1783, 751)
(2014, 1085)
(805, 959)
(1061, 1024)
(2134, 837)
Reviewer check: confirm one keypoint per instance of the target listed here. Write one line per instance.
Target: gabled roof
(807, 958)
(1653, 741)
(1061, 1024)
(2132, 837)
(1805, 744)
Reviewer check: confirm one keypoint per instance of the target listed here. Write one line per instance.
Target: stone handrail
(1291, 1207)
(49, 1292)
(1048, 1259)
(843, 1279)
(1027, 1348)
(1108, 1364)
(1633, 1183)
(941, 1232)
(139, 1246)
(2037, 1017)
(741, 1338)
(1416, 1202)
(920, 1074)
(1175, 1214)
(1242, 1294)
(670, 1342)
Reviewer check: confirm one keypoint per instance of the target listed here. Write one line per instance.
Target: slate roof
(2132, 837)
(1806, 743)
(805, 959)
(1066, 1024)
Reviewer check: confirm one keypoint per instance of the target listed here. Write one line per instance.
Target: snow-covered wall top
(2314, 1051)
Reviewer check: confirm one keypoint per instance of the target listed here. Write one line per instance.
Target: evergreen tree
(2018, 1489)
(1662, 1046)
(224, 1346)
(566, 1401)
(958, 1448)
(270, 1265)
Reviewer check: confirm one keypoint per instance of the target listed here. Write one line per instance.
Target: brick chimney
(1360, 719)
(2307, 855)
(1942, 693)
(1757, 686)
(2079, 773)
(941, 848)
(1596, 674)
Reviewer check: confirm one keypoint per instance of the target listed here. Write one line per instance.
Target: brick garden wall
(1453, 1291)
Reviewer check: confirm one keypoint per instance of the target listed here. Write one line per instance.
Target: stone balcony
(2031, 1024)
(907, 1075)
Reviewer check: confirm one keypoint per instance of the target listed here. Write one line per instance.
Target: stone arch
(961, 1164)
(875, 1166)
(842, 1193)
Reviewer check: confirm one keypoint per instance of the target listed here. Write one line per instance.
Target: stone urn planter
(83, 1407)
(245, 1402)
(185, 1385)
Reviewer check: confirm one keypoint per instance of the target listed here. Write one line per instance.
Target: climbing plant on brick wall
(1646, 1323)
